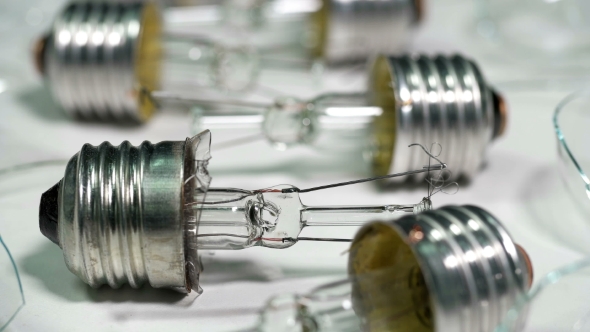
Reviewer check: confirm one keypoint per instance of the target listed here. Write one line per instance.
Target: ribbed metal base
(93, 59)
(442, 99)
(473, 270)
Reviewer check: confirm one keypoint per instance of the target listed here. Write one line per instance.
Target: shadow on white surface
(47, 265)
(39, 101)
(240, 270)
(227, 313)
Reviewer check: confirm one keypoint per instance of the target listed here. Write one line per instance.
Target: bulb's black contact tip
(49, 212)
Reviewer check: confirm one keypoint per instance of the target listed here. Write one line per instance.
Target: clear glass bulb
(100, 57)
(248, 14)
(273, 218)
(385, 291)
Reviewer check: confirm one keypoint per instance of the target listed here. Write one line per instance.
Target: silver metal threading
(98, 55)
(473, 270)
(90, 59)
(358, 29)
(122, 216)
(443, 99)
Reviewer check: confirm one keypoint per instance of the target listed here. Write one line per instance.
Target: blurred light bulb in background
(140, 214)
(450, 269)
(98, 56)
(411, 99)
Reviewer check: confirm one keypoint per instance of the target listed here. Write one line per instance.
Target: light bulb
(141, 214)
(411, 99)
(455, 268)
(98, 57)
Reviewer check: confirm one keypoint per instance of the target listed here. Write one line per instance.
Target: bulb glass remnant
(557, 302)
(571, 122)
(11, 291)
(411, 99)
(449, 269)
(99, 56)
(140, 214)
(542, 34)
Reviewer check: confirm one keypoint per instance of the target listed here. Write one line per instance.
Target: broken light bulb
(98, 56)
(451, 269)
(140, 214)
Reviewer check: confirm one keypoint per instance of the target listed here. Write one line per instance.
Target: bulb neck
(232, 219)
(331, 122)
(351, 215)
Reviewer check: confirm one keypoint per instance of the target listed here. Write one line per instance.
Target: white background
(519, 185)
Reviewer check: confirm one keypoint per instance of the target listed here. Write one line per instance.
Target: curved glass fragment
(12, 298)
(558, 302)
(571, 121)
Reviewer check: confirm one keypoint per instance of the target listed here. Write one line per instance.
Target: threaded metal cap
(124, 214)
(458, 264)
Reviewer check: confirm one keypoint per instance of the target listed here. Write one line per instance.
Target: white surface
(519, 185)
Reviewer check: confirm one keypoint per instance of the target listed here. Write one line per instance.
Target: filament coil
(98, 56)
(443, 99)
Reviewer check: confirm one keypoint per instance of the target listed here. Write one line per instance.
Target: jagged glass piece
(12, 298)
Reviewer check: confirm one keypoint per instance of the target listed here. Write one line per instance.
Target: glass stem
(350, 215)
(224, 225)
(335, 122)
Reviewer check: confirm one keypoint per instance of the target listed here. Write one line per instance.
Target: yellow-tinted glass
(389, 291)
(148, 59)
